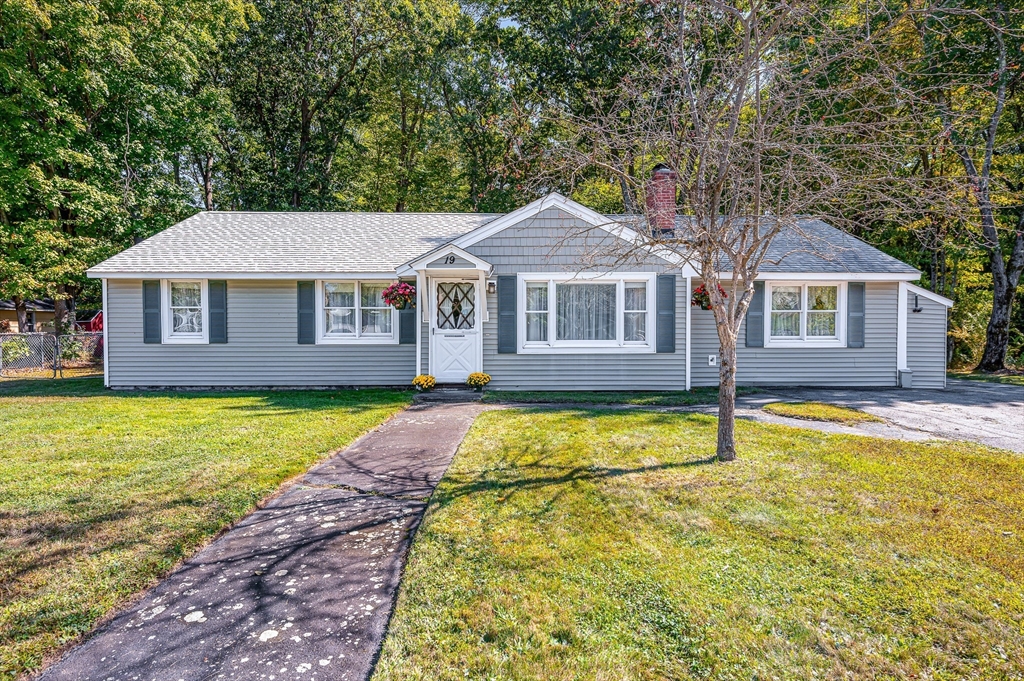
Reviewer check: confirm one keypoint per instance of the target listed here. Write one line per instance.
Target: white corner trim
(918, 291)
(106, 345)
(686, 302)
(901, 327)
(420, 305)
(447, 249)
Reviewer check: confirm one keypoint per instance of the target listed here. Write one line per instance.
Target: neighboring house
(40, 315)
(539, 298)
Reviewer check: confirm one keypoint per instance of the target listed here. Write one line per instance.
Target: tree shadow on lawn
(285, 401)
(512, 474)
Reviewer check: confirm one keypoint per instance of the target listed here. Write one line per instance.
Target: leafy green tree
(90, 92)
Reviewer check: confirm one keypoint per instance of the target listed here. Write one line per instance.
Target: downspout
(901, 332)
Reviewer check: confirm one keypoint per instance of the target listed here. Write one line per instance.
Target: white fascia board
(917, 290)
(567, 205)
(291, 276)
(831, 276)
(421, 262)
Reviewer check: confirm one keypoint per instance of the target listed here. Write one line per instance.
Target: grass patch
(1007, 378)
(570, 544)
(102, 493)
(820, 411)
(681, 398)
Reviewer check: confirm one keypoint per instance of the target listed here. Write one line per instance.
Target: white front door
(456, 350)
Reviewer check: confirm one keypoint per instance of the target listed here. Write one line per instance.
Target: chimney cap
(661, 168)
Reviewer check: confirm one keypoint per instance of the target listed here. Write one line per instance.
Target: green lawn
(820, 411)
(681, 398)
(1008, 379)
(600, 544)
(102, 493)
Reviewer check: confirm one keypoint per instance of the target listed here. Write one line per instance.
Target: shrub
(13, 349)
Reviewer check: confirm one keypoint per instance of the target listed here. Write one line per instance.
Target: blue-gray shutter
(151, 312)
(218, 293)
(508, 337)
(407, 326)
(755, 317)
(855, 305)
(307, 313)
(666, 305)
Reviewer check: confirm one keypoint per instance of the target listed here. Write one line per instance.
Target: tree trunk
(63, 311)
(997, 335)
(727, 401)
(21, 309)
(208, 182)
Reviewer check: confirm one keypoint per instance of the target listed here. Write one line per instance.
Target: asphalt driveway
(989, 413)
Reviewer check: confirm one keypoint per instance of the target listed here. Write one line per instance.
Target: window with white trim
(586, 311)
(185, 313)
(801, 312)
(355, 311)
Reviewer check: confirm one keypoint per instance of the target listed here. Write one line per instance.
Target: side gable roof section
(555, 200)
(925, 293)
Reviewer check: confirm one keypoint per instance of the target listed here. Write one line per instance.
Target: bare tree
(762, 112)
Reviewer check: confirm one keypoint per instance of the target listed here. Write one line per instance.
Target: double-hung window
(805, 312)
(355, 311)
(185, 311)
(605, 311)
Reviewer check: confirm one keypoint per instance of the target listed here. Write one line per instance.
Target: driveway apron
(300, 589)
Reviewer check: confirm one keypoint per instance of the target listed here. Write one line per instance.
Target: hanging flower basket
(400, 295)
(702, 299)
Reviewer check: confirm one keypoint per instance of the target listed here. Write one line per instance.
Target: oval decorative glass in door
(456, 306)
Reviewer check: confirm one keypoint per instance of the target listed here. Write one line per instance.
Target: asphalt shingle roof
(816, 246)
(297, 243)
(237, 242)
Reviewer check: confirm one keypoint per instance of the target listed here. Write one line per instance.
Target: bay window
(354, 311)
(586, 311)
(804, 312)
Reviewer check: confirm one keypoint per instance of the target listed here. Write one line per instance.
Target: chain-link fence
(80, 354)
(43, 355)
(28, 354)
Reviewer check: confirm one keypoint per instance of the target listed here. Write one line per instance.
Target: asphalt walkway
(300, 589)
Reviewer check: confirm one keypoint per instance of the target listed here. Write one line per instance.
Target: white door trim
(476, 332)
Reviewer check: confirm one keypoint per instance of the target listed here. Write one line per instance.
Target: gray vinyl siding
(262, 348)
(926, 342)
(554, 242)
(870, 366)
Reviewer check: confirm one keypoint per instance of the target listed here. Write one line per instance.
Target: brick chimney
(661, 200)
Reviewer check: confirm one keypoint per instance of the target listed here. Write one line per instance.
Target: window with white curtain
(355, 310)
(804, 312)
(184, 311)
(592, 311)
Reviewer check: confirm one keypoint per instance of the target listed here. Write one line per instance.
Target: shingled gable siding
(926, 342)
(261, 348)
(540, 245)
(872, 365)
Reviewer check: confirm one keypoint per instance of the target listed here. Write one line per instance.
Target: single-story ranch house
(533, 298)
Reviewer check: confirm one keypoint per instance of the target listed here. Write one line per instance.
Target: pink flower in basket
(400, 295)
